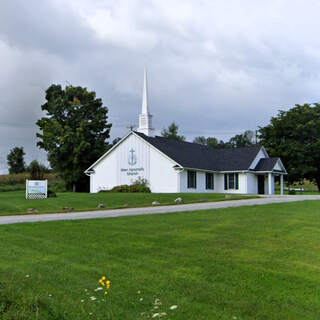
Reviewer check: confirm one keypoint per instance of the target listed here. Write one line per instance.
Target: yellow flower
(103, 278)
(106, 292)
(108, 282)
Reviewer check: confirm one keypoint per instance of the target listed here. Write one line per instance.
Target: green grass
(257, 262)
(310, 188)
(15, 202)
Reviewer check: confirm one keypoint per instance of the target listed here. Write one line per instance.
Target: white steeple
(145, 118)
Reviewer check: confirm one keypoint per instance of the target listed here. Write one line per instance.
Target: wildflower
(27, 275)
(155, 315)
(106, 292)
(141, 299)
(82, 300)
(93, 298)
(50, 295)
(174, 307)
(103, 278)
(98, 289)
(139, 292)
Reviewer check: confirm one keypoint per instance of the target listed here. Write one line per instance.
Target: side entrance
(260, 184)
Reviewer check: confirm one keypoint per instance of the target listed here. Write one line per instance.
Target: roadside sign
(36, 189)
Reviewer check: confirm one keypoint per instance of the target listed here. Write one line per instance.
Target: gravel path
(151, 210)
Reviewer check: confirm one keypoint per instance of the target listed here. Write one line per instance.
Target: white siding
(252, 183)
(277, 166)
(218, 183)
(115, 170)
(261, 154)
(163, 177)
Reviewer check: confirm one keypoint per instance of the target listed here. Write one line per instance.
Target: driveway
(101, 214)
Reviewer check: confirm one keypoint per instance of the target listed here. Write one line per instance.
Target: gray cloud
(216, 68)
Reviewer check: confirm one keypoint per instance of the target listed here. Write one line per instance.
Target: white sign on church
(36, 189)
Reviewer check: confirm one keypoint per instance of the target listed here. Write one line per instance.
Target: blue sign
(132, 159)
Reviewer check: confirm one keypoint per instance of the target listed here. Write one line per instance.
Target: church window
(231, 181)
(209, 181)
(192, 179)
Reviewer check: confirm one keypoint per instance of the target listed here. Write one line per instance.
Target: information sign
(36, 189)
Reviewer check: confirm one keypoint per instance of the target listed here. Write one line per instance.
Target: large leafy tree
(74, 132)
(15, 160)
(245, 139)
(294, 135)
(172, 133)
(211, 142)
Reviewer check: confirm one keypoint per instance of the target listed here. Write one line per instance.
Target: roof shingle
(197, 156)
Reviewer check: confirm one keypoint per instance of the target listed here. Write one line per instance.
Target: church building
(177, 166)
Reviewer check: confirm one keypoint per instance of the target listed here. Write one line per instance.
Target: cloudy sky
(215, 67)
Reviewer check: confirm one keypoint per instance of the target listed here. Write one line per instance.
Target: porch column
(269, 183)
(281, 184)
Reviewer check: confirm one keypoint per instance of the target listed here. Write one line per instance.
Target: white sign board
(36, 189)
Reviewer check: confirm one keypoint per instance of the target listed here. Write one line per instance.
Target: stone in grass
(155, 203)
(125, 205)
(228, 196)
(178, 200)
(67, 209)
(203, 200)
(32, 210)
(101, 206)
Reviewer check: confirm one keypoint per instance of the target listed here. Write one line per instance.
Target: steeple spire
(145, 94)
(145, 118)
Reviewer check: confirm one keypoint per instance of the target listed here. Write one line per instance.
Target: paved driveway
(101, 214)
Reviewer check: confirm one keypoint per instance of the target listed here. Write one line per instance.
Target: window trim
(209, 186)
(235, 176)
(192, 183)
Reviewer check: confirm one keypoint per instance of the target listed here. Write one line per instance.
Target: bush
(140, 185)
(51, 194)
(292, 192)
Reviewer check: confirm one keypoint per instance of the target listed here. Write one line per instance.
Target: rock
(125, 205)
(32, 210)
(203, 200)
(178, 200)
(101, 205)
(67, 209)
(155, 203)
(228, 196)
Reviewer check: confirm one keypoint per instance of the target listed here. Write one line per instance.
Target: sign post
(36, 189)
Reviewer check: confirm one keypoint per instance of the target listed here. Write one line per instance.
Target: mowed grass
(257, 262)
(16, 203)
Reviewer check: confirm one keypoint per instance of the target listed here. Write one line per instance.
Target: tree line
(75, 131)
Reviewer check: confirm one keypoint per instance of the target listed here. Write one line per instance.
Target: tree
(245, 139)
(37, 170)
(211, 142)
(74, 132)
(172, 132)
(15, 160)
(294, 135)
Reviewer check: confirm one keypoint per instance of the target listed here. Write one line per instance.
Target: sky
(215, 67)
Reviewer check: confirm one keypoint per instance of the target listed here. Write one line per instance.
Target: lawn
(16, 203)
(238, 263)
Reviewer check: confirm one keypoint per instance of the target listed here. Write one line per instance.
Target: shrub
(140, 185)
(292, 191)
(51, 194)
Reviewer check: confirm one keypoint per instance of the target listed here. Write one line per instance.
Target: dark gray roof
(266, 164)
(197, 156)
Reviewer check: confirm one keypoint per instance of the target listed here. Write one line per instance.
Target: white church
(178, 167)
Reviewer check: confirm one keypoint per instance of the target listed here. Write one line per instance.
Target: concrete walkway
(101, 214)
